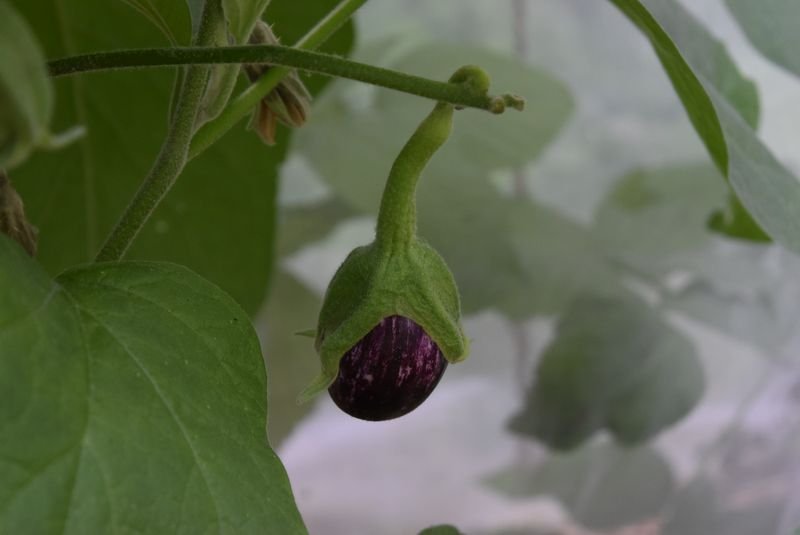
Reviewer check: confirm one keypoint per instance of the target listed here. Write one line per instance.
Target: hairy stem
(174, 151)
(397, 217)
(456, 94)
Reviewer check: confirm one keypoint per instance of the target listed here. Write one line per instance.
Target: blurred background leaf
(603, 487)
(26, 95)
(290, 358)
(613, 364)
(653, 219)
(771, 25)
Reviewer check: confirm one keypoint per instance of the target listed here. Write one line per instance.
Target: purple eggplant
(389, 372)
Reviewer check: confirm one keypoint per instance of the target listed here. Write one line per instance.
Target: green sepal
(377, 281)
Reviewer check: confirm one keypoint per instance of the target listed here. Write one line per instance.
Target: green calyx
(398, 273)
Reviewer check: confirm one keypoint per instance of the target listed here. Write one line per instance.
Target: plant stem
(249, 98)
(174, 151)
(397, 217)
(284, 56)
(456, 94)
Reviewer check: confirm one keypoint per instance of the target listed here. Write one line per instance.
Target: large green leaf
(219, 217)
(602, 486)
(133, 401)
(26, 96)
(717, 108)
(771, 25)
(175, 19)
(615, 364)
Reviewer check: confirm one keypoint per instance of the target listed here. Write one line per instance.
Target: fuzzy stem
(174, 151)
(397, 218)
(457, 94)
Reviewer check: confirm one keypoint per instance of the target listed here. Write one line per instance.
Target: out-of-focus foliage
(653, 220)
(26, 95)
(651, 224)
(692, 60)
(771, 25)
(602, 486)
(443, 529)
(292, 307)
(614, 364)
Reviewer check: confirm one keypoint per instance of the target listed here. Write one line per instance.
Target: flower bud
(12, 217)
(289, 103)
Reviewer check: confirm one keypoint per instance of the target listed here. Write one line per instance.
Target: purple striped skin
(389, 372)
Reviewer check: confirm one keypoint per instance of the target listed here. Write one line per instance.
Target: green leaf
(615, 364)
(218, 219)
(560, 259)
(171, 17)
(26, 96)
(654, 220)
(133, 400)
(762, 316)
(771, 25)
(441, 529)
(735, 221)
(769, 192)
(604, 487)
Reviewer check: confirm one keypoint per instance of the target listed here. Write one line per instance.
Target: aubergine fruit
(389, 372)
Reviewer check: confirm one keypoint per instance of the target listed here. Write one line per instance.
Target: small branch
(315, 62)
(174, 151)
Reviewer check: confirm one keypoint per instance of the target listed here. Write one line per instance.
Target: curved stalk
(174, 151)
